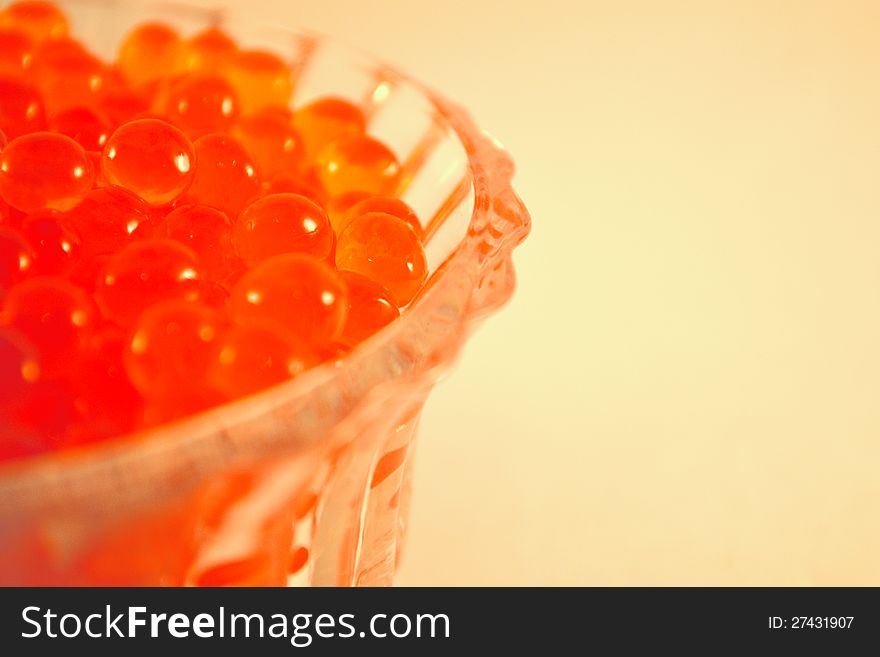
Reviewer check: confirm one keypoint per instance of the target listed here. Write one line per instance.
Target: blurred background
(686, 386)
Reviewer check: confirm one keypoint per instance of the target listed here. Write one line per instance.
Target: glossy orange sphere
(226, 177)
(248, 359)
(357, 162)
(85, 126)
(370, 308)
(44, 171)
(68, 75)
(170, 348)
(327, 119)
(385, 249)
(209, 51)
(39, 20)
(21, 108)
(274, 143)
(16, 52)
(387, 204)
(200, 104)
(205, 230)
(54, 315)
(260, 78)
(144, 273)
(282, 223)
(174, 236)
(151, 51)
(106, 218)
(55, 244)
(295, 295)
(150, 158)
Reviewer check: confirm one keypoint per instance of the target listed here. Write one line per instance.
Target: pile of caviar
(172, 235)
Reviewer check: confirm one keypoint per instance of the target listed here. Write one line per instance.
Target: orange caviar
(39, 20)
(209, 50)
(357, 162)
(151, 52)
(260, 78)
(151, 158)
(176, 231)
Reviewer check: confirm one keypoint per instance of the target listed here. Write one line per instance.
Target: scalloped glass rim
(403, 360)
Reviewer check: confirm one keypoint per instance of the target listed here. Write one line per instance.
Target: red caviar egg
(282, 223)
(105, 219)
(248, 359)
(168, 244)
(387, 204)
(56, 246)
(16, 258)
(83, 125)
(385, 249)
(226, 177)
(357, 162)
(296, 295)
(143, 273)
(16, 52)
(44, 171)
(207, 231)
(100, 379)
(19, 367)
(370, 307)
(209, 50)
(151, 158)
(260, 78)
(274, 143)
(39, 20)
(67, 74)
(327, 119)
(201, 104)
(21, 108)
(170, 349)
(150, 52)
(54, 315)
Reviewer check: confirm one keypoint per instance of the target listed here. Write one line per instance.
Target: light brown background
(686, 389)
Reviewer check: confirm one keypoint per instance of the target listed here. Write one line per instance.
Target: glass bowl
(307, 483)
